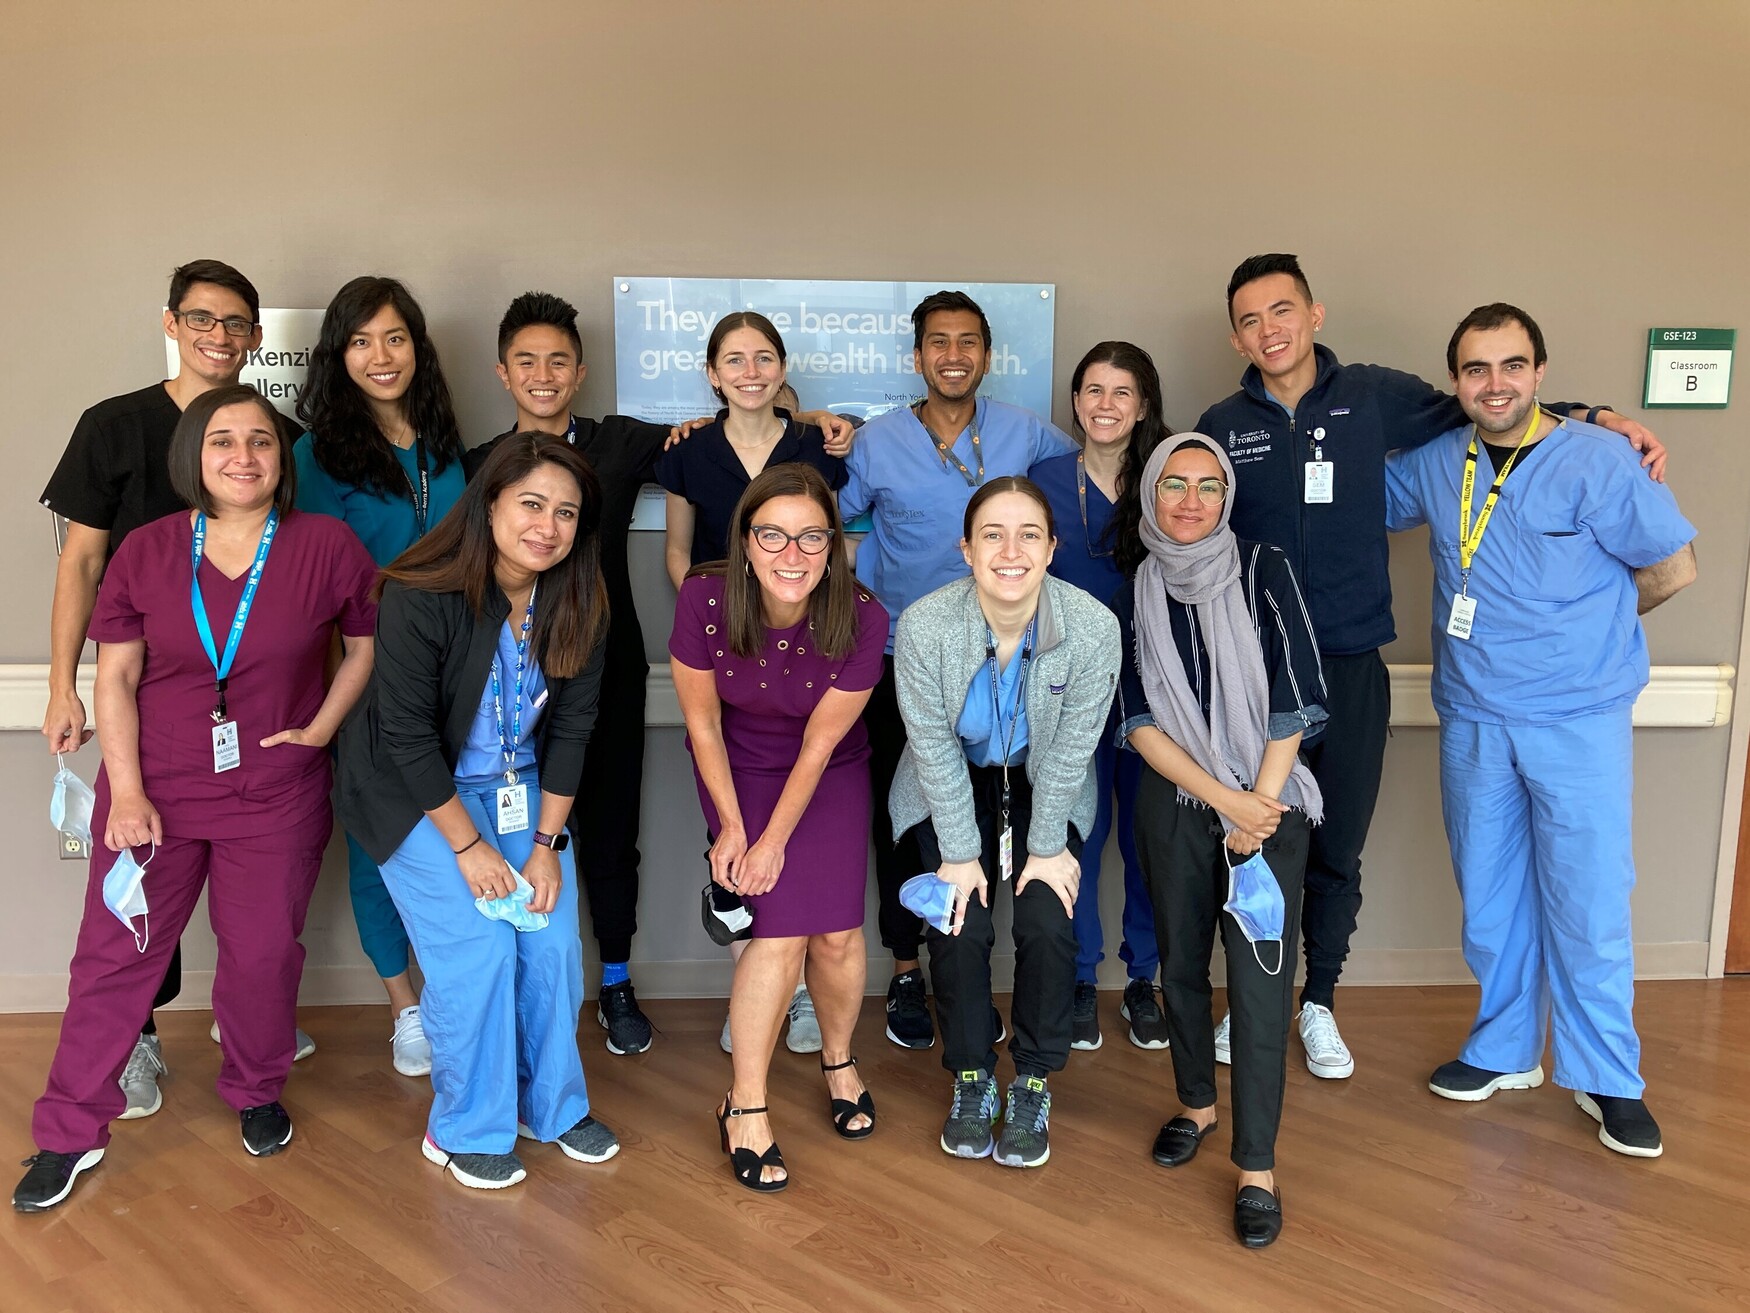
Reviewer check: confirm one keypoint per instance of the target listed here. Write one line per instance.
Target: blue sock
(614, 973)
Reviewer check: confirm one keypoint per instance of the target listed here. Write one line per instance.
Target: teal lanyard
(222, 665)
(508, 745)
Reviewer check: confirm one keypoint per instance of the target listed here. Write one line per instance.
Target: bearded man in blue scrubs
(1548, 542)
(914, 469)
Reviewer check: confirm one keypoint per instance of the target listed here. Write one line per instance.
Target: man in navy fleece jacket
(1308, 438)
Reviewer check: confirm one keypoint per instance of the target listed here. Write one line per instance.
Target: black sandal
(745, 1163)
(842, 1110)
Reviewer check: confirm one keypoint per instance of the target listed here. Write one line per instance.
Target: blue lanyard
(508, 746)
(422, 490)
(1007, 737)
(222, 666)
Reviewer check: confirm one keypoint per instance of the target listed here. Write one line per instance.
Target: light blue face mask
(514, 906)
(124, 893)
(1254, 900)
(71, 803)
(932, 898)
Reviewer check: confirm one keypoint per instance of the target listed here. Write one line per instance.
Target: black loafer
(1257, 1216)
(1176, 1143)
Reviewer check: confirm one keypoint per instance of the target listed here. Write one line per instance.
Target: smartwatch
(557, 842)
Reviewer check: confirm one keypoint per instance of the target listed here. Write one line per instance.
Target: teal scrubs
(387, 526)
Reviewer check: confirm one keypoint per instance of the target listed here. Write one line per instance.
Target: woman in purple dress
(774, 654)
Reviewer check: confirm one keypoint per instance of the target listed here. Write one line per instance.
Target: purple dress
(767, 700)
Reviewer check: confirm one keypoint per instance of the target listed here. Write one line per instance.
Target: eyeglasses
(774, 540)
(201, 321)
(1210, 492)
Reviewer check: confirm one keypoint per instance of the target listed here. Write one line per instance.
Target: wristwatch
(557, 842)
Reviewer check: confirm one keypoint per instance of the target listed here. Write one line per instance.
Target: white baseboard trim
(1676, 697)
(338, 986)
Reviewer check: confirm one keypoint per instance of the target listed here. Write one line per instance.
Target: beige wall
(1585, 159)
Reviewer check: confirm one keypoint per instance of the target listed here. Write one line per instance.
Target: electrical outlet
(73, 848)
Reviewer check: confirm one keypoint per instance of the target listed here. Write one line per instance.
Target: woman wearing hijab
(1221, 681)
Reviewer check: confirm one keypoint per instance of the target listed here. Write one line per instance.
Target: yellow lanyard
(1469, 540)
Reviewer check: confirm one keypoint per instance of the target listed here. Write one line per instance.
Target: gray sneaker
(477, 1171)
(140, 1078)
(723, 1040)
(588, 1141)
(306, 1045)
(804, 1033)
(1026, 1139)
(976, 1109)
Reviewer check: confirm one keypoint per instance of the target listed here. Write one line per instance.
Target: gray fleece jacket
(937, 649)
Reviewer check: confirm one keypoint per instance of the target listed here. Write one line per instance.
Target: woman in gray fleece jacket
(1004, 681)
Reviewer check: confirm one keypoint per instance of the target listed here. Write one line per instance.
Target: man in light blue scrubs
(914, 469)
(1548, 541)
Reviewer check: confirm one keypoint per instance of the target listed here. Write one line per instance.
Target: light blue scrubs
(500, 1005)
(387, 526)
(1536, 752)
(980, 733)
(917, 501)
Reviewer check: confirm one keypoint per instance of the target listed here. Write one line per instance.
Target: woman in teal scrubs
(382, 453)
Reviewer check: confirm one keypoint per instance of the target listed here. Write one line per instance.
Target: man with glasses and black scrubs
(114, 477)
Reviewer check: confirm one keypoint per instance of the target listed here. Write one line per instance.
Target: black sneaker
(266, 1130)
(50, 1178)
(976, 1109)
(1148, 1024)
(908, 1014)
(1026, 1138)
(618, 1012)
(1468, 1084)
(1623, 1124)
(1086, 1029)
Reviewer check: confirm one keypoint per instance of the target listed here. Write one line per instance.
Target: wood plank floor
(1395, 1200)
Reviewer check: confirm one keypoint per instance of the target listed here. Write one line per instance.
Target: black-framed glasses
(1210, 492)
(201, 321)
(774, 540)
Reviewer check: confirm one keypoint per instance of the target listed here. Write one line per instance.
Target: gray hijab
(1205, 575)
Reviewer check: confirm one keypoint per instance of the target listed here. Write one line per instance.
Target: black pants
(1180, 845)
(1045, 946)
(1346, 761)
(605, 817)
(167, 991)
(896, 857)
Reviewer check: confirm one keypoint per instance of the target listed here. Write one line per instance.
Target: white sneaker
(306, 1045)
(1224, 1051)
(1326, 1054)
(140, 1078)
(723, 1039)
(410, 1047)
(804, 1033)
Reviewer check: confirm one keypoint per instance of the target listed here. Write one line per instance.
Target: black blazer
(398, 749)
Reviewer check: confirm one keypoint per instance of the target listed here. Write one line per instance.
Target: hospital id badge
(513, 808)
(227, 750)
(1463, 617)
(1006, 851)
(1320, 481)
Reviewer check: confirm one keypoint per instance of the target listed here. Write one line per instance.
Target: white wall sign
(1689, 367)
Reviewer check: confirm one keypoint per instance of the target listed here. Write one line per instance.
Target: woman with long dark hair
(1004, 679)
(775, 652)
(457, 773)
(1116, 396)
(383, 454)
(1221, 682)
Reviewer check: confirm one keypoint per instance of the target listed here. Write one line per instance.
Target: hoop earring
(749, 566)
